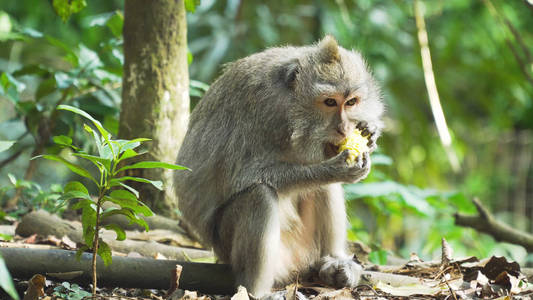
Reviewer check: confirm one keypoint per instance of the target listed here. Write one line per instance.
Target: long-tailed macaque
(265, 187)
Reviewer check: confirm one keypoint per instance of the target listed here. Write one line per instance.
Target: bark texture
(155, 93)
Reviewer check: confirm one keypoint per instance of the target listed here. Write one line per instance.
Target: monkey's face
(334, 91)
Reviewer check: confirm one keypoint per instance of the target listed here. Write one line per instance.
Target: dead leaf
(497, 265)
(242, 294)
(35, 287)
(335, 294)
(511, 283)
(32, 239)
(67, 243)
(174, 281)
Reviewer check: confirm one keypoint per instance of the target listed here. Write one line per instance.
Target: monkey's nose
(341, 132)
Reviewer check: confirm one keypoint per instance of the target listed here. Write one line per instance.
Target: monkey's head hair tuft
(329, 50)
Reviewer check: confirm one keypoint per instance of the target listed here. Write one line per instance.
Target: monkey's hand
(344, 171)
(371, 132)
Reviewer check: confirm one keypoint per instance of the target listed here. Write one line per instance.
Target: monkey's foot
(282, 295)
(339, 273)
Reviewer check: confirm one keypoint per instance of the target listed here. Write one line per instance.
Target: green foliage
(190, 5)
(65, 8)
(70, 291)
(6, 283)
(4, 145)
(33, 195)
(484, 89)
(378, 257)
(111, 186)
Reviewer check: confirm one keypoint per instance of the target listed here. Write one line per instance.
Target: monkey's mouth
(330, 150)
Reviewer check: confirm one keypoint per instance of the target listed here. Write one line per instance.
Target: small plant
(70, 292)
(111, 186)
(33, 195)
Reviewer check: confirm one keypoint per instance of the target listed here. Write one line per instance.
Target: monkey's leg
(335, 267)
(249, 231)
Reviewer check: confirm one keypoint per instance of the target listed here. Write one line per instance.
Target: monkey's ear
(328, 50)
(289, 72)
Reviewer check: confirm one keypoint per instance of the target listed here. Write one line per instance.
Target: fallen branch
(45, 224)
(486, 223)
(144, 273)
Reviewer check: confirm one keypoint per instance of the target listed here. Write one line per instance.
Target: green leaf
(12, 178)
(199, 85)
(96, 160)
(129, 188)
(113, 20)
(75, 186)
(73, 167)
(83, 203)
(65, 8)
(157, 184)
(88, 221)
(127, 212)
(151, 165)
(105, 252)
(5, 22)
(190, 5)
(74, 195)
(71, 56)
(96, 137)
(128, 154)
(410, 196)
(131, 144)
(6, 282)
(378, 257)
(80, 251)
(127, 199)
(121, 234)
(4, 145)
(88, 59)
(104, 133)
(115, 23)
(5, 237)
(10, 87)
(64, 141)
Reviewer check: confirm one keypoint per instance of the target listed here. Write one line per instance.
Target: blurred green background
(482, 54)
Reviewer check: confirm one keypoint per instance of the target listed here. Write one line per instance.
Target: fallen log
(131, 272)
(45, 224)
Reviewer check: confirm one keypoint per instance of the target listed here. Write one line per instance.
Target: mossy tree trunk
(155, 94)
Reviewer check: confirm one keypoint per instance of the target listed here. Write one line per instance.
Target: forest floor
(40, 257)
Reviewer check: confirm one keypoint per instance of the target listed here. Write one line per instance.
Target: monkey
(265, 187)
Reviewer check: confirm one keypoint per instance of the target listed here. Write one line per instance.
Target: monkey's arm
(284, 176)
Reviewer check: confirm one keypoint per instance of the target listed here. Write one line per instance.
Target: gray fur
(263, 191)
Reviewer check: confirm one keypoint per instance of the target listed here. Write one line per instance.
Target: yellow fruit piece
(356, 144)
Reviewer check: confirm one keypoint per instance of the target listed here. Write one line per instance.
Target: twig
(522, 62)
(429, 77)
(449, 287)
(486, 223)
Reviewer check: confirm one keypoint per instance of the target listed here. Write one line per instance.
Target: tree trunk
(155, 93)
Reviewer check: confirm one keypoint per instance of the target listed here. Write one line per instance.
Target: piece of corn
(356, 144)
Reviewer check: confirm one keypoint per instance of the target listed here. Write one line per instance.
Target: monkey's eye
(330, 102)
(352, 101)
